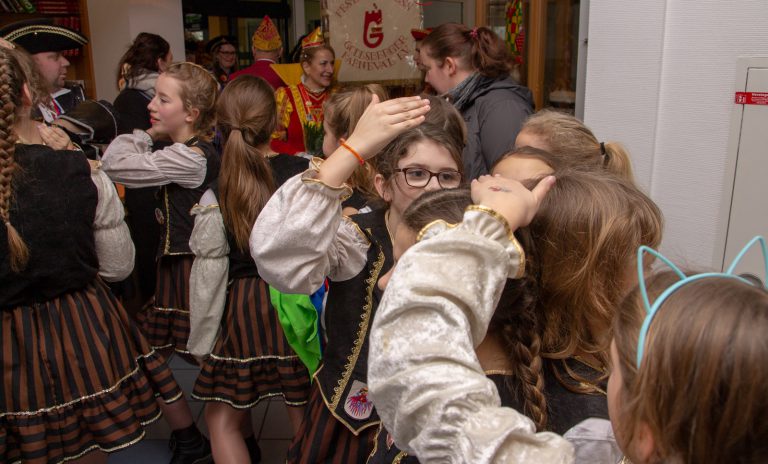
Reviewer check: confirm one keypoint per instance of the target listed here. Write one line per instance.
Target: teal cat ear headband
(653, 309)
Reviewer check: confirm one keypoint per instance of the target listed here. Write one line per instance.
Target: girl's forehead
(428, 153)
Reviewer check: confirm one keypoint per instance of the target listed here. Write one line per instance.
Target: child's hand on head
(383, 121)
(510, 198)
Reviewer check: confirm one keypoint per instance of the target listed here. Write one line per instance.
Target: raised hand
(383, 121)
(380, 124)
(55, 137)
(510, 198)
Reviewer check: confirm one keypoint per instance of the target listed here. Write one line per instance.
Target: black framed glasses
(420, 177)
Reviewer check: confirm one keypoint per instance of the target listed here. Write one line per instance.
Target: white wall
(115, 23)
(660, 78)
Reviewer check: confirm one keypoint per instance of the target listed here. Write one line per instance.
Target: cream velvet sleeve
(423, 374)
(208, 278)
(114, 245)
(301, 237)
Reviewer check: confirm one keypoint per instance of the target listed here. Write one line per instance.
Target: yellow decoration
(291, 73)
(266, 37)
(315, 39)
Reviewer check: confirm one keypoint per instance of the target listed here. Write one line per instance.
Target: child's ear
(192, 115)
(26, 95)
(382, 188)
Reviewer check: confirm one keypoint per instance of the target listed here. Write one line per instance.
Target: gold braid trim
(362, 331)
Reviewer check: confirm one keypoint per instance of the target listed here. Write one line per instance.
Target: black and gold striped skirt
(78, 376)
(322, 438)
(251, 359)
(166, 320)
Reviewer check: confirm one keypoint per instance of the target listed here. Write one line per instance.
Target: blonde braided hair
(11, 81)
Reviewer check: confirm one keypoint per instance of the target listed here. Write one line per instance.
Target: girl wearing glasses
(316, 241)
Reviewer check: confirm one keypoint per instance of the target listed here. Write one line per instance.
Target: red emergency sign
(752, 98)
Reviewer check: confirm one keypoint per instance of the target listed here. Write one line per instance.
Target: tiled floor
(270, 423)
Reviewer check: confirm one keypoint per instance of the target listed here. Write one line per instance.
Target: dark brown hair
(443, 114)
(587, 231)
(479, 49)
(246, 118)
(386, 160)
(12, 80)
(199, 90)
(572, 145)
(701, 384)
(142, 56)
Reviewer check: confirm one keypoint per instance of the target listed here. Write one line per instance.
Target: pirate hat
(266, 38)
(315, 39)
(213, 45)
(41, 35)
(420, 34)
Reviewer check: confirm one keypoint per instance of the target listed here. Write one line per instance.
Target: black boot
(253, 449)
(190, 447)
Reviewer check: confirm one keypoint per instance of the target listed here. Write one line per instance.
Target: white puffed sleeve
(433, 395)
(114, 246)
(208, 279)
(301, 237)
(131, 161)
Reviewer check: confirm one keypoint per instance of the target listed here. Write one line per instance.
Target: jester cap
(315, 39)
(266, 38)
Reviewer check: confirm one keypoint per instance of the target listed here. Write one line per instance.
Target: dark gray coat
(493, 117)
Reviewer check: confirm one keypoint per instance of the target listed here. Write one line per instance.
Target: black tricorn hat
(218, 41)
(41, 35)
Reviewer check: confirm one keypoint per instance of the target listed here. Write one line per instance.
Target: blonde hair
(341, 112)
(586, 233)
(573, 145)
(701, 384)
(199, 90)
(12, 80)
(246, 112)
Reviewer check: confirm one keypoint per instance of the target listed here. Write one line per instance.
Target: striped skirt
(323, 439)
(166, 321)
(251, 359)
(78, 376)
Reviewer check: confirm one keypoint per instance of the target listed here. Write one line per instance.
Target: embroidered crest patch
(357, 404)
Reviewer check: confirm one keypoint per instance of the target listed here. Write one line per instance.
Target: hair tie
(602, 148)
(473, 33)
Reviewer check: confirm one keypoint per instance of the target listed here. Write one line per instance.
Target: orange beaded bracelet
(343, 143)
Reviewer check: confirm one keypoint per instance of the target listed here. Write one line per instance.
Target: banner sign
(372, 38)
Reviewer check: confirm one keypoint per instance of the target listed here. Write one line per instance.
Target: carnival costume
(78, 374)
(340, 420)
(183, 175)
(41, 35)
(266, 38)
(235, 327)
(300, 113)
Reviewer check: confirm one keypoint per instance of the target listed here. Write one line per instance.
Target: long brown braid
(11, 82)
(516, 322)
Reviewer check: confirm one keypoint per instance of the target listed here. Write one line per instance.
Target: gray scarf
(463, 94)
(144, 82)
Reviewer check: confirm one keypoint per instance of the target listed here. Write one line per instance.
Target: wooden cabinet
(67, 13)
(551, 44)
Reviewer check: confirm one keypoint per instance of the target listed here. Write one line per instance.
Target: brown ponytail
(11, 82)
(478, 48)
(246, 112)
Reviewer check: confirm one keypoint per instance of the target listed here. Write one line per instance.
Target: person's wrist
(361, 146)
